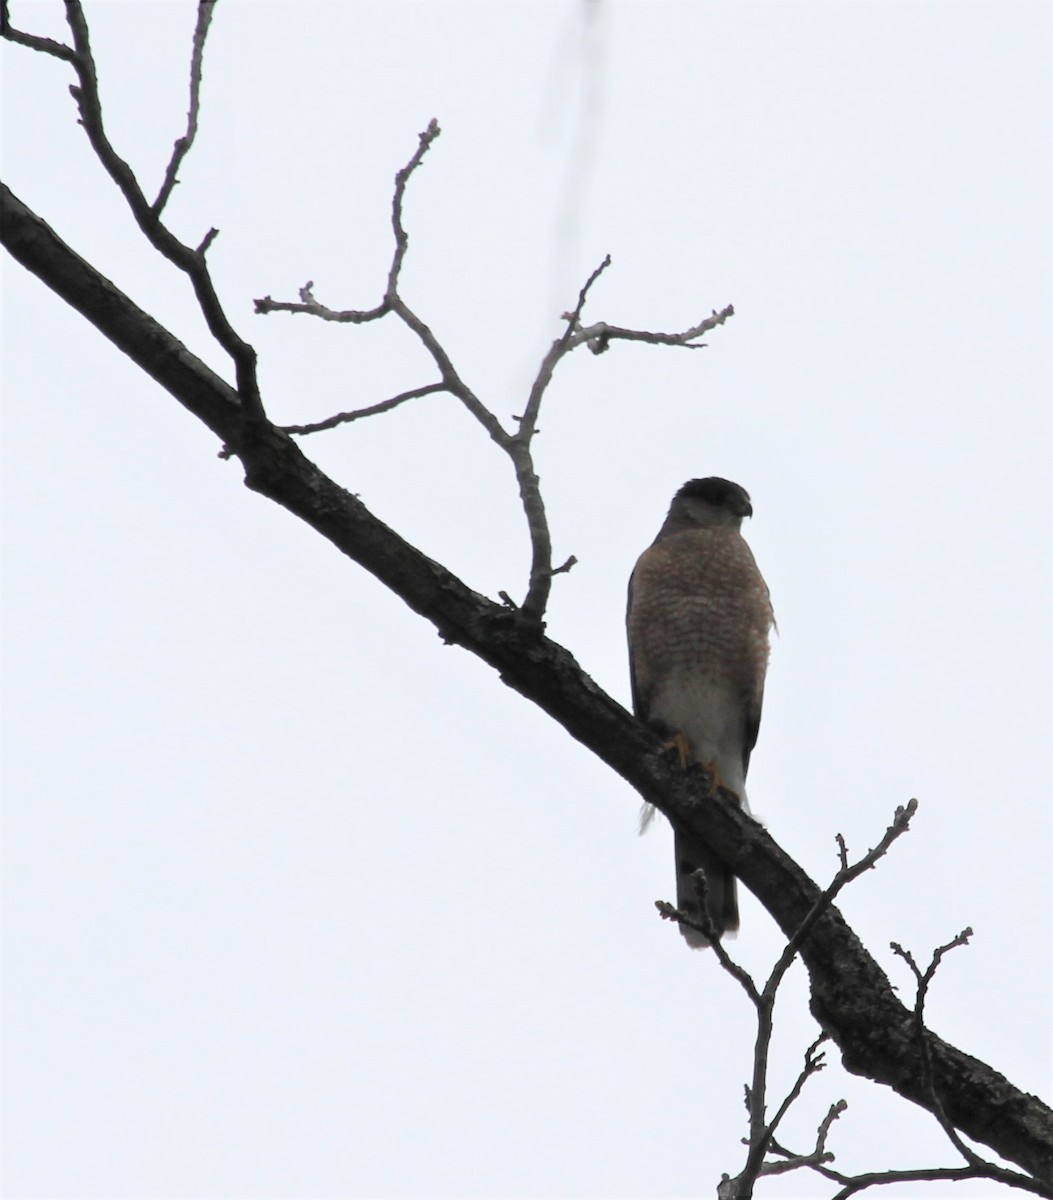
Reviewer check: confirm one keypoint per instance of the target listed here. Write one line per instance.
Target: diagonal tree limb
(851, 997)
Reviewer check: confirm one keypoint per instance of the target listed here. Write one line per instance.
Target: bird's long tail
(722, 896)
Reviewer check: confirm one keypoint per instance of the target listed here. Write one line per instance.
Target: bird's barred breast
(699, 601)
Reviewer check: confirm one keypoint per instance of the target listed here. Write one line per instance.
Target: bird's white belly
(709, 714)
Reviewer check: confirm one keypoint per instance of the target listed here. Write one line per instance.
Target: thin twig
(900, 824)
(517, 445)
(389, 303)
(600, 335)
(933, 1175)
(183, 144)
(976, 1167)
(842, 850)
(817, 1158)
(308, 304)
(857, 1183)
(455, 385)
(358, 413)
(924, 978)
(540, 583)
(392, 302)
(762, 1130)
(32, 40)
(813, 1063)
(704, 925)
(190, 261)
(401, 179)
(528, 421)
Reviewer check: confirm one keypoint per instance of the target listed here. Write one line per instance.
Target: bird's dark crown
(721, 493)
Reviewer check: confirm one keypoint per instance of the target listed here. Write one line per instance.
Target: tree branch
(762, 1131)
(981, 1168)
(517, 446)
(851, 997)
(32, 40)
(147, 216)
(182, 145)
(401, 179)
(371, 410)
(599, 336)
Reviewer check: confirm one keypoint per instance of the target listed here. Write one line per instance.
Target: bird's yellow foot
(683, 748)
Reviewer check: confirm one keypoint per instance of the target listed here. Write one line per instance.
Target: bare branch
(924, 978)
(32, 40)
(815, 1159)
(401, 179)
(191, 262)
(528, 421)
(600, 335)
(979, 1165)
(575, 317)
(704, 925)
(857, 1183)
(540, 583)
(976, 1167)
(814, 1061)
(390, 302)
(900, 824)
(762, 1131)
(562, 570)
(517, 445)
(761, 1137)
(308, 304)
(598, 338)
(455, 385)
(393, 303)
(207, 241)
(182, 145)
(372, 411)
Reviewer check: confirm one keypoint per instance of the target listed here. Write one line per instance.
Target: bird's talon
(682, 746)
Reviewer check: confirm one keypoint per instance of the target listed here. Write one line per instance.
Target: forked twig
(148, 216)
(979, 1167)
(761, 1142)
(516, 444)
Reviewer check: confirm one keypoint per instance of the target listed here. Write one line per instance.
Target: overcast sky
(299, 902)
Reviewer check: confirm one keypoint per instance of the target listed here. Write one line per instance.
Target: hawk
(698, 623)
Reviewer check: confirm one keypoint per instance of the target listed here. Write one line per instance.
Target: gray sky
(300, 902)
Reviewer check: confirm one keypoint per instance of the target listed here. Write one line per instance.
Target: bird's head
(706, 503)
